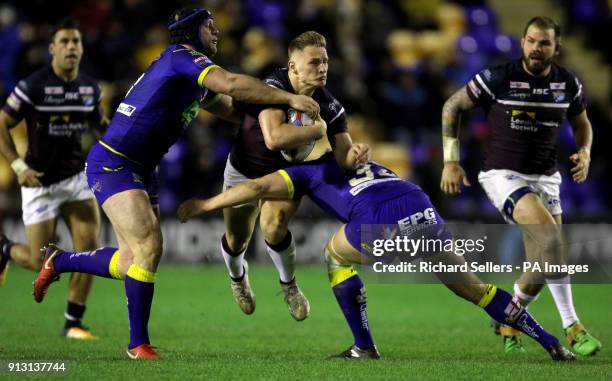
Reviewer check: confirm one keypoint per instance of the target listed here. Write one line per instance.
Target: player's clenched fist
(358, 154)
(452, 176)
(191, 208)
(580, 171)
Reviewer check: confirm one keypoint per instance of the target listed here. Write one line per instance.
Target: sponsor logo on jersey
(487, 74)
(274, 83)
(557, 85)
(97, 187)
(559, 96)
(72, 95)
(86, 90)
(202, 61)
(519, 85)
(511, 177)
(88, 100)
(541, 91)
(334, 105)
(530, 114)
(126, 109)
(54, 90)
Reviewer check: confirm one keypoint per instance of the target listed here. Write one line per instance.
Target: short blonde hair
(310, 38)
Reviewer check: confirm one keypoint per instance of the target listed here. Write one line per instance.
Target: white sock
(284, 260)
(561, 291)
(234, 264)
(524, 298)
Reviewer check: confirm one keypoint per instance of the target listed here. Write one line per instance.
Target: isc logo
(540, 91)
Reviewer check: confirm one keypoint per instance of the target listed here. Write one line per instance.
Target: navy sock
(140, 297)
(74, 314)
(506, 310)
(351, 297)
(94, 262)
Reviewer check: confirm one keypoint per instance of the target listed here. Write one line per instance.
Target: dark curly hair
(184, 23)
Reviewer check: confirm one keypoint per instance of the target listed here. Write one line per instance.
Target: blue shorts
(411, 214)
(109, 173)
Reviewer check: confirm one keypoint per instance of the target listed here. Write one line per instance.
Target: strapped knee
(337, 271)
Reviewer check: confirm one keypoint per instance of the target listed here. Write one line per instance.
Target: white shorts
(43, 203)
(232, 177)
(501, 183)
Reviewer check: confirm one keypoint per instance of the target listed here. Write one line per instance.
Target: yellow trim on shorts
(488, 296)
(138, 273)
(288, 181)
(116, 152)
(113, 266)
(204, 73)
(338, 276)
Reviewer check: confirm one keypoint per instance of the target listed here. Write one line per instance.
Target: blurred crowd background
(392, 65)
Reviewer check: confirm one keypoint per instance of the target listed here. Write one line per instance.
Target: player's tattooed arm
(451, 112)
(272, 185)
(248, 89)
(583, 135)
(453, 174)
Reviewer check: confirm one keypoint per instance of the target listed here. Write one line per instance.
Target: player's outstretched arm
(453, 174)
(279, 135)
(26, 176)
(247, 89)
(350, 155)
(269, 186)
(583, 136)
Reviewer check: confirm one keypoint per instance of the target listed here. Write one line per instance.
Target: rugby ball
(296, 155)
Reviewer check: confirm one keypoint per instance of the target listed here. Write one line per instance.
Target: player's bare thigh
(83, 221)
(135, 221)
(239, 225)
(39, 234)
(275, 217)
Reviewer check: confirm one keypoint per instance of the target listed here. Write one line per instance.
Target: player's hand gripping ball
(296, 155)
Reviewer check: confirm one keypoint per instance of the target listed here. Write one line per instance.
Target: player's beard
(540, 67)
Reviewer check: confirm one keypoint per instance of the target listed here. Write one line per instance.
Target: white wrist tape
(19, 166)
(451, 148)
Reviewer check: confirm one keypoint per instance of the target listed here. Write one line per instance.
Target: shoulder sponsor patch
(334, 106)
(126, 109)
(519, 85)
(202, 61)
(54, 90)
(557, 85)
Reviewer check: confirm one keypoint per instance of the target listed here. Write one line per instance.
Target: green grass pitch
(423, 332)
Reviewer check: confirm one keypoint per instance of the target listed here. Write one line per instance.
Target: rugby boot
(354, 353)
(47, 273)
(581, 341)
(297, 303)
(243, 294)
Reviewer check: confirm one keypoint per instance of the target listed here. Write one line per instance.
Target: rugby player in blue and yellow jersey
(121, 167)
(370, 195)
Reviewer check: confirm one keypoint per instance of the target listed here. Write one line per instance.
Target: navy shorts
(411, 214)
(109, 173)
